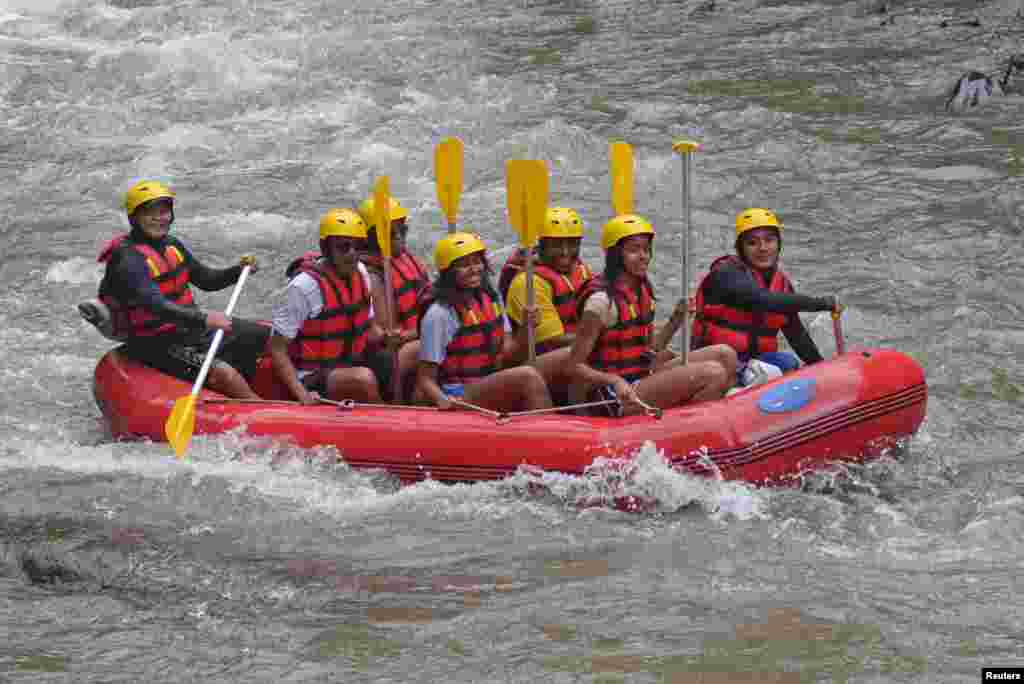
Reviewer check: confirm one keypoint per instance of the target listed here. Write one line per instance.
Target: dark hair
(614, 266)
(447, 292)
(373, 244)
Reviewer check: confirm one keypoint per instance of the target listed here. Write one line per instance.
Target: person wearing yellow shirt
(557, 277)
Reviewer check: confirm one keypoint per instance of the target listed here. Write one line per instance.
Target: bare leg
(359, 384)
(721, 354)
(514, 389)
(407, 362)
(554, 365)
(694, 382)
(224, 378)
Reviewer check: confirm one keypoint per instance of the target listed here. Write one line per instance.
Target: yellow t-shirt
(550, 324)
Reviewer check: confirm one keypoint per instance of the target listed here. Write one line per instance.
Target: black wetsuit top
(127, 279)
(732, 286)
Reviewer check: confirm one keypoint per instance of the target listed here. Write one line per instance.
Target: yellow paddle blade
(448, 172)
(527, 189)
(382, 215)
(622, 177)
(181, 423)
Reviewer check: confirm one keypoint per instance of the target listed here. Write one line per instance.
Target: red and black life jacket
(338, 335)
(169, 271)
(564, 288)
(624, 349)
(514, 265)
(748, 332)
(408, 278)
(475, 351)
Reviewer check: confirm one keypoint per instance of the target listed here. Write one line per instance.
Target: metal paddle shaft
(382, 223)
(531, 332)
(686, 148)
(181, 423)
(837, 328)
(219, 336)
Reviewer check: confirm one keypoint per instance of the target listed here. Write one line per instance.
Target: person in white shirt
(467, 349)
(325, 324)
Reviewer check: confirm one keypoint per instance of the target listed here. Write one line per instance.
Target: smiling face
(760, 248)
(343, 253)
(469, 271)
(154, 218)
(560, 253)
(636, 254)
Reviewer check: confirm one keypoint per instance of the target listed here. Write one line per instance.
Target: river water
(263, 565)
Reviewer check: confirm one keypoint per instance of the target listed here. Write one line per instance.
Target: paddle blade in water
(180, 424)
(448, 172)
(622, 177)
(382, 215)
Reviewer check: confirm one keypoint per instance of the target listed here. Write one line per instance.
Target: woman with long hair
(466, 342)
(615, 354)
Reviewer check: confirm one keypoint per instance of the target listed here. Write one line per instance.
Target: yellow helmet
(367, 209)
(560, 222)
(752, 218)
(455, 246)
(342, 223)
(623, 226)
(145, 191)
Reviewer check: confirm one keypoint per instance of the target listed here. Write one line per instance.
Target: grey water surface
(260, 563)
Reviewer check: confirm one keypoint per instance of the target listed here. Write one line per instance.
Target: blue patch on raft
(789, 396)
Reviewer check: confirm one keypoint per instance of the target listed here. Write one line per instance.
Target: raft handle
(343, 405)
(650, 411)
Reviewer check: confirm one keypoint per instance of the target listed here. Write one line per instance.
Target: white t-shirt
(601, 304)
(303, 301)
(438, 329)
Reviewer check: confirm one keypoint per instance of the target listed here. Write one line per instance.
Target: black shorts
(605, 393)
(182, 355)
(382, 363)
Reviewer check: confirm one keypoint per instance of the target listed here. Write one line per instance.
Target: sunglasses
(346, 246)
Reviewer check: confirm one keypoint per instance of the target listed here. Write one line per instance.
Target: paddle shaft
(531, 301)
(527, 191)
(684, 333)
(219, 336)
(391, 318)
(837, 328)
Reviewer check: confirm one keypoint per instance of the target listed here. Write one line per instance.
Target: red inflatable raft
(849, 408)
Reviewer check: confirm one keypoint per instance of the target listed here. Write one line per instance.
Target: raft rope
(500, 417)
